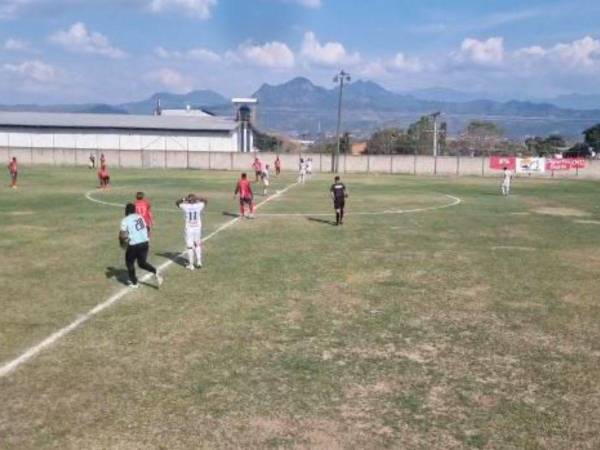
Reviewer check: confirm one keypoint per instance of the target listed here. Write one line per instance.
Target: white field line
(88, 195)
(31, 352)
(455, 202)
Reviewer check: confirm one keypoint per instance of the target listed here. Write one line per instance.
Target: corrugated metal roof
(114, 121)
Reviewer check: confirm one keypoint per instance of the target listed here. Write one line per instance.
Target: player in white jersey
(302, 175)
(309, 168)
(265, 177)
(193, 206)
(506, 182)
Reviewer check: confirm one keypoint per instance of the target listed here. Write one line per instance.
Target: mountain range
(301, 108)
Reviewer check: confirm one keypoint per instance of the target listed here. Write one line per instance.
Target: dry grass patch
(561, 212)
(588, 222)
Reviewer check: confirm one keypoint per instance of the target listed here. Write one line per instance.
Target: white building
(194, 133)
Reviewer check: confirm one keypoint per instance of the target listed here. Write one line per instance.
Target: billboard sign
(500, 162)
(531, 165)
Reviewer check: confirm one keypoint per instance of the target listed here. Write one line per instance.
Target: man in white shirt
(192, 207)
(309, 168)
(302, 175)
(506, 182)
(266, 178)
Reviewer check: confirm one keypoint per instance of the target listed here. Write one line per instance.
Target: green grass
(475, 326)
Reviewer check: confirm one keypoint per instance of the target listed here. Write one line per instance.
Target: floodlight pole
(335, 159)
(435, 133)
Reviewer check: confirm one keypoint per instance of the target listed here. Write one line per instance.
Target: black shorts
(138, 252)
(246, 200)
(339, 203)
(258, 173)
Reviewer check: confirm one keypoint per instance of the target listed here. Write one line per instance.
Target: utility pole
(339, 78)
(435, 116)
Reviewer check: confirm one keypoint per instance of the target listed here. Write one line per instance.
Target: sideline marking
(10, 366)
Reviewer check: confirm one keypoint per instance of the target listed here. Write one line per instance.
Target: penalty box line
(31, 352)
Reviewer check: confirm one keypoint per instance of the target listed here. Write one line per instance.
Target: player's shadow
(122, 276)
(177, 258)
(230, 214)
(115, 273)
(324, 221)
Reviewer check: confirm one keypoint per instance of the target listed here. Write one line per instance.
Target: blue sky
(121, 50)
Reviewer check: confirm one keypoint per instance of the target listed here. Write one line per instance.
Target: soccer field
(441, 315)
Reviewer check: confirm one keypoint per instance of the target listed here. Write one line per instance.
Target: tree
(345, 143)
(382, 142)
(266, 142)
(484, 130)
(592, 137)
(481, 137)
(389, 141)
(421, 136)
(545, 146)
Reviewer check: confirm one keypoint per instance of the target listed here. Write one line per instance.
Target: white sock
(190, 253)
(198, 251)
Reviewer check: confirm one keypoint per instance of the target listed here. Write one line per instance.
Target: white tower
(245, 116)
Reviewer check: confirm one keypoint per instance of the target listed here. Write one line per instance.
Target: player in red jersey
(104, 177)
(257, 166)
(277, 166)
(102, 164)
(244, 190)
(13, 169)
(144, 209)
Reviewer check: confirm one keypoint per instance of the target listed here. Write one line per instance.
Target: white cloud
(193, 54)
(306, 3)
(405, 63)
(486, 53)
(35, 70)
(16, 45)
(198, 8)
(170, 79)
(9, 9)
(583, 53)
(275, 55)
(79, 39)
(531, 52)
(328, 54)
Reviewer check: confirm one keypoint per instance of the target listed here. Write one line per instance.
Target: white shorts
(193, 237)
(266, 181)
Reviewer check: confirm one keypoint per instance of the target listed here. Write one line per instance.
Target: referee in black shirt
(339, 195)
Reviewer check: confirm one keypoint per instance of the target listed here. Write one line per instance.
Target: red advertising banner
(565, 164)
(578, 163)
(500, 162)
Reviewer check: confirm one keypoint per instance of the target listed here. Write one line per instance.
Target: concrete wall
(354, 164)
(242, 162)
(403, 164)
